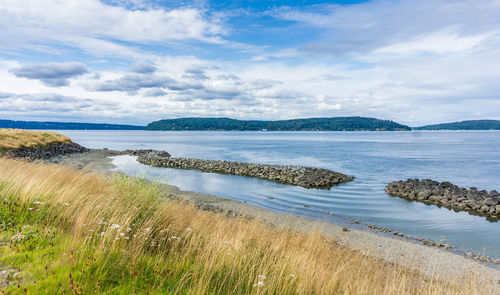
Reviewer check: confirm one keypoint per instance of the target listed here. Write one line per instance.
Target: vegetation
(464, 125)
(315, 124)
(67, 231)
(65, 126)
(15, 138)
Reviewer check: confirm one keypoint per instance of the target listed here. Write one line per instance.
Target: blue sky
(134, 61)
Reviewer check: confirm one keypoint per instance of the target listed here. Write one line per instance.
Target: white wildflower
(122, 234)
(259, 284)
(188, 229)
(129, 229)
(66, 204)
(117, 238)
(30, 209)
(17, 237)
(292, 276)
(38, 203)
(126, 238)
(148, 229)
(262, 277)
(102, 234)
(115, 226)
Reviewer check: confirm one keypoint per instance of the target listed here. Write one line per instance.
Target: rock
(308, 177)
(449, 195)
(45, 153)
(490, 202)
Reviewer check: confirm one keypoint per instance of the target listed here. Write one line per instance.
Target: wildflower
(102, 234)
(17, 237)
(148, 229)
(188, 229)
(262, 277)
(91, 230)
(259, 284)
(117, 238)
(122, 234)
(126, 238)
(129, 229)
(38, 203)
(115, 226)
(30, 209)
(66, 204)
(292, 276)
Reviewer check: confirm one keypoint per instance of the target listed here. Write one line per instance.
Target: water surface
(465, 158)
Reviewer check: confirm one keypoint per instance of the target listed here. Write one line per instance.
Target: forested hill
(312, 124)
(465, 125)
(65, 126)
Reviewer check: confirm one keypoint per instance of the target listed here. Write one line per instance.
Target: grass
(66, 231)
(18, 138)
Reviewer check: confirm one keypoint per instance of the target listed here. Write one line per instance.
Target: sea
(464, 158)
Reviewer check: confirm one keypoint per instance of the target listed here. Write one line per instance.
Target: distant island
(227, 124)
(312, 124)
(65, 126)
(464, 125)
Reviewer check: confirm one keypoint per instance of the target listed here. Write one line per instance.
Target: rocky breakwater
(479, 202)
(295, 175)
(47, 152)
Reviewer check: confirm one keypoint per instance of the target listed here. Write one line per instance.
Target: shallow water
(465, 158)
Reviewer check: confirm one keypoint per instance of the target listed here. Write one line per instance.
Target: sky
(415, 62)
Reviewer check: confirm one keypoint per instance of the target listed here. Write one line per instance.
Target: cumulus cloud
(143, 68)
(96, 26)
(132, 83)
(195, 74)
(51, 74)
(155, 92)
(432, 26)
(51, 103)
(408, 60)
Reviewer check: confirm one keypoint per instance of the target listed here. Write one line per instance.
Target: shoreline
(376, 242)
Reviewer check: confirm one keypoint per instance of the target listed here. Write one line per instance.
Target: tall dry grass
(133, 227)
(17, 138)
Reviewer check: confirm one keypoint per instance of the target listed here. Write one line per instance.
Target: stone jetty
(295, 175)
(478, 202)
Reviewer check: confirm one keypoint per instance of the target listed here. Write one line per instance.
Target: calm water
(465, 158)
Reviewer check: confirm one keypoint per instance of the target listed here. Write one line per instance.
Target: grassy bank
(17, 138)
(68, 231)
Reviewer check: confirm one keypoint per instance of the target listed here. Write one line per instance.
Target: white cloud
(91, 24)
(412, 61)
(439, 42)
